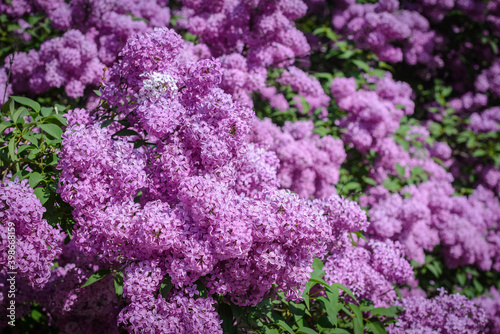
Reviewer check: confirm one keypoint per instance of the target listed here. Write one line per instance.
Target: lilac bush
(178, 210)
(36, 242)
(186, 206)
(442, 314)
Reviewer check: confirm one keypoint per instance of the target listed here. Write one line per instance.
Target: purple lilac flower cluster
(308, 164)
(373, 115)
(248, 37)
(423, 216)
(96, 32)
(37, 243)
(308, 88)
(199, 213)
(379, 26)
(491, 305)
(370, 271)
(70, 61)
(444, 313)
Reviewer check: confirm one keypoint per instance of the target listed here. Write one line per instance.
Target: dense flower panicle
(370, 271)
(18, 8)
(373, 118)
(343, 215)
(488, 79)
(37, 243)
(179, 314)
(491, 305)
(488, 120)
(381, 27)
(70, 61)
(5, 87)
(373, 115)
(202, 203)
(265, 28)
(442, 314)
(307, 87)
(98, 176)
(78, 116)
(423, 216)
(490, 177)
(91, 309)
(96, 32)
(309, 164)
(257, 171)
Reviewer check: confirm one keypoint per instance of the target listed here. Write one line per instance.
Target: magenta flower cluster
(204, 195)
(36, 242)
(201, 204)
(308, 164)
(442, 314)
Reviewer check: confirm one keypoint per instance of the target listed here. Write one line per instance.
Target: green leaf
(433, 269)
(27, 102)
(319, 281)
(391, 185)
(166, 286)
(319, 30)
(18, 113)
(401, 170)
(318, 273)
(35, 179)
(324, 325)
(347, 54)
(479, 153)
(59, 108)
(376, 327)
(369, 180)
(305, 294)
(331, 310)
(97, 92)
(339, 331)
(226, 315)
(33, 153)
(284, 326)
(298, 310)
(417, 171)
(361, 64)
(4, 125)
(31, 139)
(351, 186)
(478, 286)
(126, 132)
(23, 148)
(56, 119)
(43, 194)
(306, 330)
(305, 105)
(46, 111)
(461, 278)
(51, 129)
(8, 106)
(118, 282)
(317, 263)
(345, 289)
(386, 311)
(98, 275)
(106, 123)
(357, 319)
(12, 148)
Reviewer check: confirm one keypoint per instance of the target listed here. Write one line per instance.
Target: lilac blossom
(442, 314)
(37, 243)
